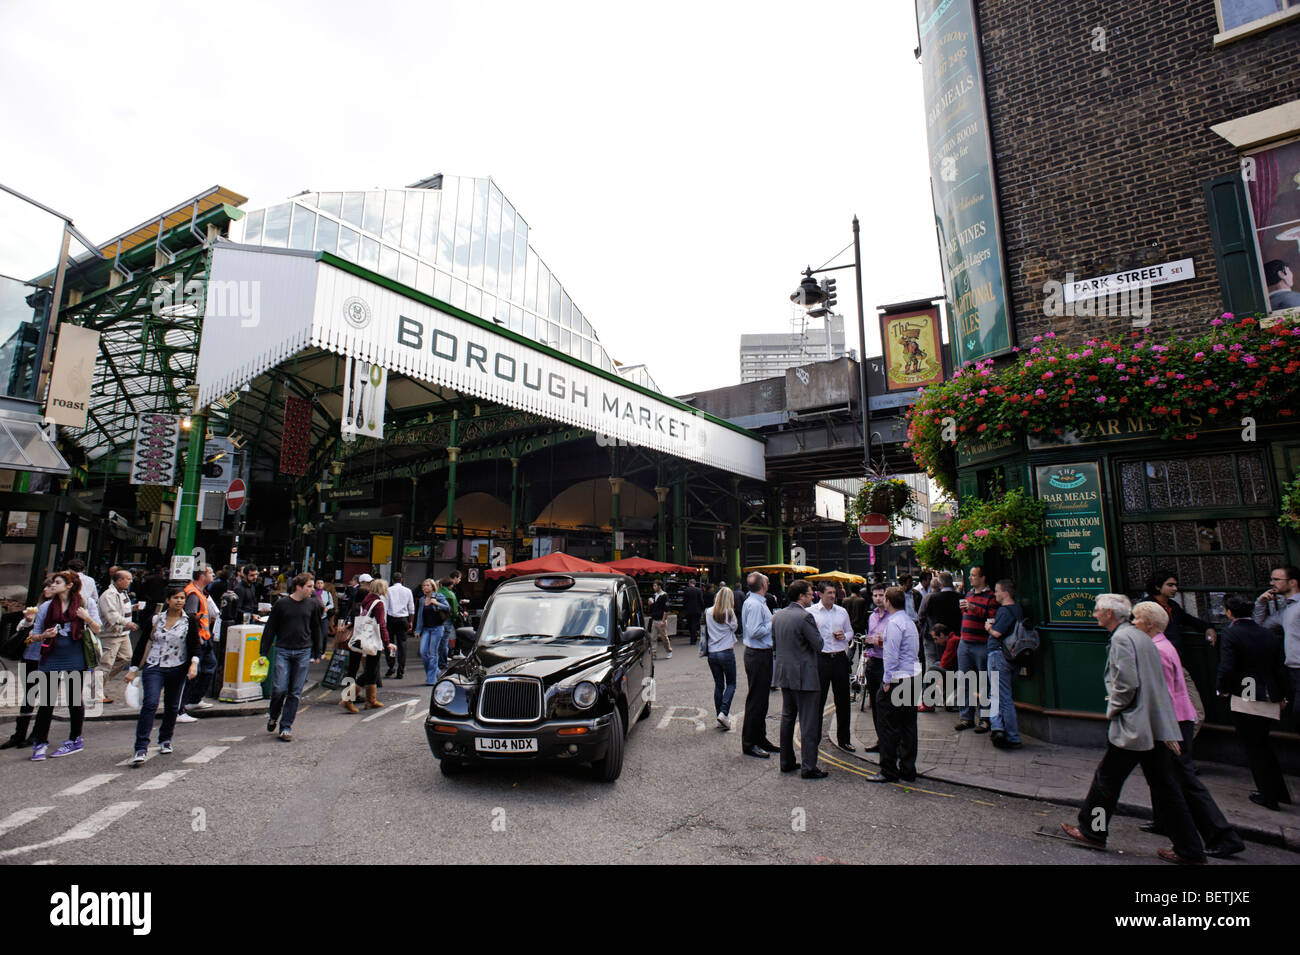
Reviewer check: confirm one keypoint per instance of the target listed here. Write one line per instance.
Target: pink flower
(1101, 399)
(1228, 315)
(1051, 334)
(981, 533)
(1218, 346)
(1087, 353)
(1038, 338)
(1217, 321)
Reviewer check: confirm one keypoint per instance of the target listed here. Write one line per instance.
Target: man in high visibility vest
(196, 602)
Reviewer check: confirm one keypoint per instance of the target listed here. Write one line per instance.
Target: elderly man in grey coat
(796, 645)
(1143, 732)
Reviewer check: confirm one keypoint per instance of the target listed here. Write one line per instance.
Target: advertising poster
(365, 390)
(961, 180)
(913, 349)
(1076, 562)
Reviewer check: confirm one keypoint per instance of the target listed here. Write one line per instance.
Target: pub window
(1271, 176)
(1209, 518)
(1236, 14)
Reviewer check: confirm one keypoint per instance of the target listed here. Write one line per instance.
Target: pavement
(1058, 774)
(365, 788)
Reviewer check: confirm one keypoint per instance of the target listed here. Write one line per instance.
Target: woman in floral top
(169, 657)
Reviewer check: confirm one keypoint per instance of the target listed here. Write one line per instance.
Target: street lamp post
(810, 294)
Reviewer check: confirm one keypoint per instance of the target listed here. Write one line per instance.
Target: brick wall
(1101, 156)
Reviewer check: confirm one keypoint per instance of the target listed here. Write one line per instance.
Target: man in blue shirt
(756, 623)
(1006, 730)
(900, 691)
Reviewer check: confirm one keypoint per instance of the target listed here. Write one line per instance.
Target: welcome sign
(323, 301)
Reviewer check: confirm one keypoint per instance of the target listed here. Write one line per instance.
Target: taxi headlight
(444, 692)
(585, 694)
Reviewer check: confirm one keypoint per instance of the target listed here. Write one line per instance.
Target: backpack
(1022, 642)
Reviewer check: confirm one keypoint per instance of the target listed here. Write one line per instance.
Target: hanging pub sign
(153, 458)
(961, 180)
(913, 349)
(1076, 562)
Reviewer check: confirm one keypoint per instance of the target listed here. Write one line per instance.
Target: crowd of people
(162, 640)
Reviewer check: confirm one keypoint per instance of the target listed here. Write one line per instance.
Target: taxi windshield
(543, 617)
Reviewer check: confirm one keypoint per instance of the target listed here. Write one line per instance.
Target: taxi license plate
(495, 744)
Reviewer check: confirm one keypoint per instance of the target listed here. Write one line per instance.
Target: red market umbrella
(556, 563)
(640, 565)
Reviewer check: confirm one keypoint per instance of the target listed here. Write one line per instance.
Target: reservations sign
(1076, 562)
(961, 179)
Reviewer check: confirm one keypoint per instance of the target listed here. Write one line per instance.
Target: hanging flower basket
(891, 496)
(1004, 524)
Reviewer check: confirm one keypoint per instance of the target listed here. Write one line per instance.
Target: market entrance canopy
(264, 306)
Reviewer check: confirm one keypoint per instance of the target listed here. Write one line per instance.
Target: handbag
(14, 645)
(365, 634)
(91, 648)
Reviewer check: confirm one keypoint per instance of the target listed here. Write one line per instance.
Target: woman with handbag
(1253, 674)
(67, 626)
(431, 612)
(173, 640)
(372, 609)
(27, 636)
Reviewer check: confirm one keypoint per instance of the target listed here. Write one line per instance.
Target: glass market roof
(455, 238)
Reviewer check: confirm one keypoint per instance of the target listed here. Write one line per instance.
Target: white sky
(677, 166)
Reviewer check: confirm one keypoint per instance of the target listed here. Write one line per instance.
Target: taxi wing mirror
(466, 637)
(632, 635)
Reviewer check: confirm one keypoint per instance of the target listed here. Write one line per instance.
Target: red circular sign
(235, 495)
(874, 529)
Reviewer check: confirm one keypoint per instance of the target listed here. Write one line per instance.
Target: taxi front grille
(510, 700)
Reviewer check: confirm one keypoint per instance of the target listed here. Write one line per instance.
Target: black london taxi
(559, 669)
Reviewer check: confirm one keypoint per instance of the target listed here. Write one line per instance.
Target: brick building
(1101, 168)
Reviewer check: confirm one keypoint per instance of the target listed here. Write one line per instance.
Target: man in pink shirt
(1221, 840)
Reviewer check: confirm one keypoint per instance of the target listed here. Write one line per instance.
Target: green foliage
(1290, 517)
(890, 496)
(1005, 523)
(1236, 369)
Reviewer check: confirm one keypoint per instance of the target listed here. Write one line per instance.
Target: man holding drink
(833, 662)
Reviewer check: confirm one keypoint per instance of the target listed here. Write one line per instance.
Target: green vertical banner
(962, 181)
(1076, 563)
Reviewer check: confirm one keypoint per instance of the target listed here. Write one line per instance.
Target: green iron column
(734, 534)
(188, 514)
(615, 518)
(776, 545)
(679, 518)
(661, 526)
(453, 451)
(514, 502)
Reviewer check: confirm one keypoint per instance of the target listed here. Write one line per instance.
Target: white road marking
(86, 829)
(232, 739)
(698, 719)
(163, 780)
(22, 817)
(206, 755)
(87, 784)
(388, 709)
(46, 862)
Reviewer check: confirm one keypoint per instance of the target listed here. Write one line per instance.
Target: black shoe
(872, 749)
(1152, 828)
(789, 769)
(757, 752)
(847, 747)
(813, 774)
(908, 778)
(883, 779)
(389, 674)
(982, 726)
(770, 747)
(1223, 852)
(400, 674)
(964, 725)
(13, 742)
(1259, 800)
(270, 725)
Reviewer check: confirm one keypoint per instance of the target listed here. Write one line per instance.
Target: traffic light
(828, 286)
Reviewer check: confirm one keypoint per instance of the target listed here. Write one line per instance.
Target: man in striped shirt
(978, 606)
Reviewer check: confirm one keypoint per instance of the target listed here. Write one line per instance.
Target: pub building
(1101, 171)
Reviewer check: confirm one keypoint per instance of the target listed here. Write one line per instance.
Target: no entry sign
(874, 529)
(235, 495)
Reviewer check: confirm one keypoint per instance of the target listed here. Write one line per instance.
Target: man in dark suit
(797, 644)
(693, 609)
(1252, 671)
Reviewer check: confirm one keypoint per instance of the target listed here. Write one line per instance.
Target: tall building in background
(766, 355)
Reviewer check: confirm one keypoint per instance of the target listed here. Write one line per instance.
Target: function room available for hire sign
(1076, 561)
(961, 180)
